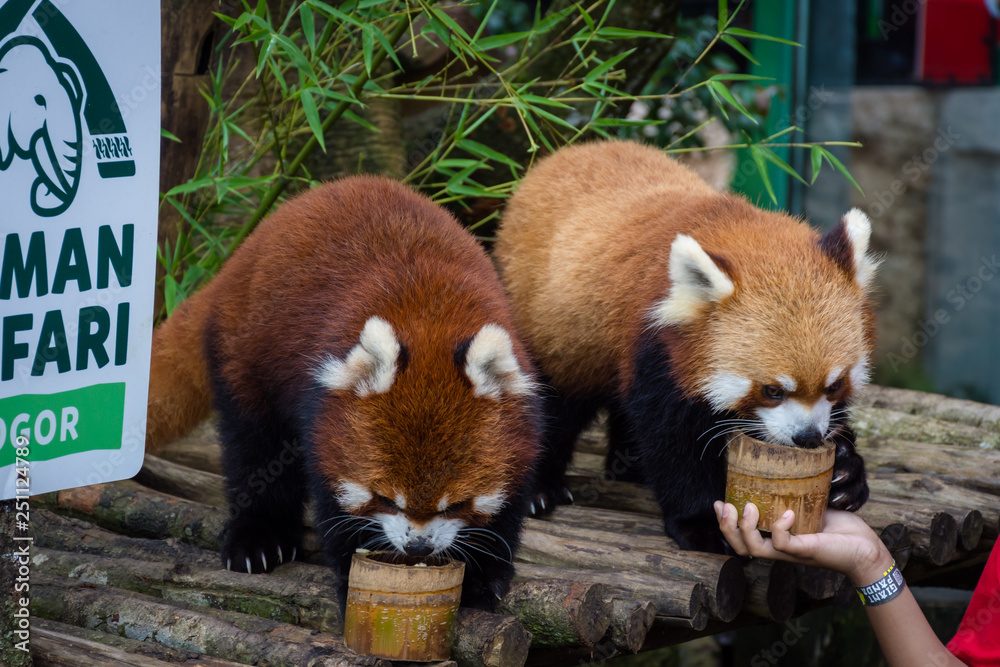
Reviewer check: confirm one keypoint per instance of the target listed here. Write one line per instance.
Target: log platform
(127, 573)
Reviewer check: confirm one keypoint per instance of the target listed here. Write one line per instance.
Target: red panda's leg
(564, 419)
(679, 454)
(849, 489)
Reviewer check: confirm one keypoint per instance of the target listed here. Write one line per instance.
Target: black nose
(419, 547)
(810, 439)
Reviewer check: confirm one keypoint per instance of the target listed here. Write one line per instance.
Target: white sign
(79, 157)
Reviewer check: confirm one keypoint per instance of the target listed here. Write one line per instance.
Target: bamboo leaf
(312, 117)
(482, 150)
(360, 121)
(496, 41)
(761, 163)
(384, 42)
(550, 22)
(776, 160)
(308, 26)
(838, 165)
(612, 32)
(368, 45)
(724, 92)
(816, 157)
(749, 34)
(606, 66)
(169, 135)
(723, 14)
(742, 50)
(334, 13)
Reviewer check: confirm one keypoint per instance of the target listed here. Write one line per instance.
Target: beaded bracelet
(886, 588)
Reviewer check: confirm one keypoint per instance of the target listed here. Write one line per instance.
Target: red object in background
(956, 40)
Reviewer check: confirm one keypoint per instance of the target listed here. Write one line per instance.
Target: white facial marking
(833, 376)
(783, 422)
(787, 383)
(695, 282)
(400, 501)
(400, 531)
(352, 496)
(443, 504)
(489, 503)
(859, 231)
(491, 366)
(860, 374)
(370, 366)
(724, 390)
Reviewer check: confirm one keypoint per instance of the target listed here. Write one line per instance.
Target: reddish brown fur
(584, 250)
(302, 287)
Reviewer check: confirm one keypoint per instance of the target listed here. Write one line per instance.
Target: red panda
(688, 313)
(362, 323)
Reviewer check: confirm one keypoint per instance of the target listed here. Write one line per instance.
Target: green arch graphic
(101, 111)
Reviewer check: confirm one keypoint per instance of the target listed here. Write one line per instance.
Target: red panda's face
(426, 443)
(782, 339)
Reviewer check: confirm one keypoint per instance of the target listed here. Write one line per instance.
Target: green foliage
(320, 64)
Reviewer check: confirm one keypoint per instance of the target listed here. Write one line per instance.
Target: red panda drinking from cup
(689, 314)
(362, 324)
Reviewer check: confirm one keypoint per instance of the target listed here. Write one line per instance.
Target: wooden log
(183, 482)
(61, 645)
(872, 422)
(933, 533)
(896, 538)
(818, 583)
(200, 449)
(631, 619)
(483, 639)
(558, 612)
(130, 508)
(593, 490)
(721, 575)
(275, 597)
(221, 634)
(920, 488)
(940, 407)
(682, 600)
(771, 586)
(969, 468)
(615, 521)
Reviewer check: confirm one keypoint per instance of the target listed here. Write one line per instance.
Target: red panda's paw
(849, 488)
(544, 501)
(257, 550)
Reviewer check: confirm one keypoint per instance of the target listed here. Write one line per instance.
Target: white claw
(837, 499)
(263, 559)
(839, 477)
(569, 494)
(532, 507)
(541, 501)
(280, 558)
(295, 550)
(249, 570)
(229, 564)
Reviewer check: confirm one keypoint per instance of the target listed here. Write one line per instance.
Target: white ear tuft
(370, 367)
(859, 232)
(351, 495)
(695, 282)
(491, 366)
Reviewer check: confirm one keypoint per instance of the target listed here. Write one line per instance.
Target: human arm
(846, 544)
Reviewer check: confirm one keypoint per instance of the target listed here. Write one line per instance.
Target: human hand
(846, 543)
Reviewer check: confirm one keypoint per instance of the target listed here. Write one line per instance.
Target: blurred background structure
(915, 81)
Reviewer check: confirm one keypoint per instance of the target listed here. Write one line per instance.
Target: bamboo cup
(776, 478)
(399, 610)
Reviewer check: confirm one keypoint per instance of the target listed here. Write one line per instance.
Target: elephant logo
(41, 99)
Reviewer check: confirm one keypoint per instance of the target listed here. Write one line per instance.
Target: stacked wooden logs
(131, 567)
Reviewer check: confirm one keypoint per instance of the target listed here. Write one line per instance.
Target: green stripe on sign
(69, 422)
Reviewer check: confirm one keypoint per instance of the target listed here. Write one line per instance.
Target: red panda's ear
(847, 245)
(491, 366)
(696, 282)
(370, 366)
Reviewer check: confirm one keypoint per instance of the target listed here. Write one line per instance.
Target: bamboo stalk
(131, 508)
(919, 488)
(721, 575)
(683, 600)
(933, 533)
(60, 645)
(483, 639)
(558, 612)
(932, 405)
(631, 619)
(221, 634)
